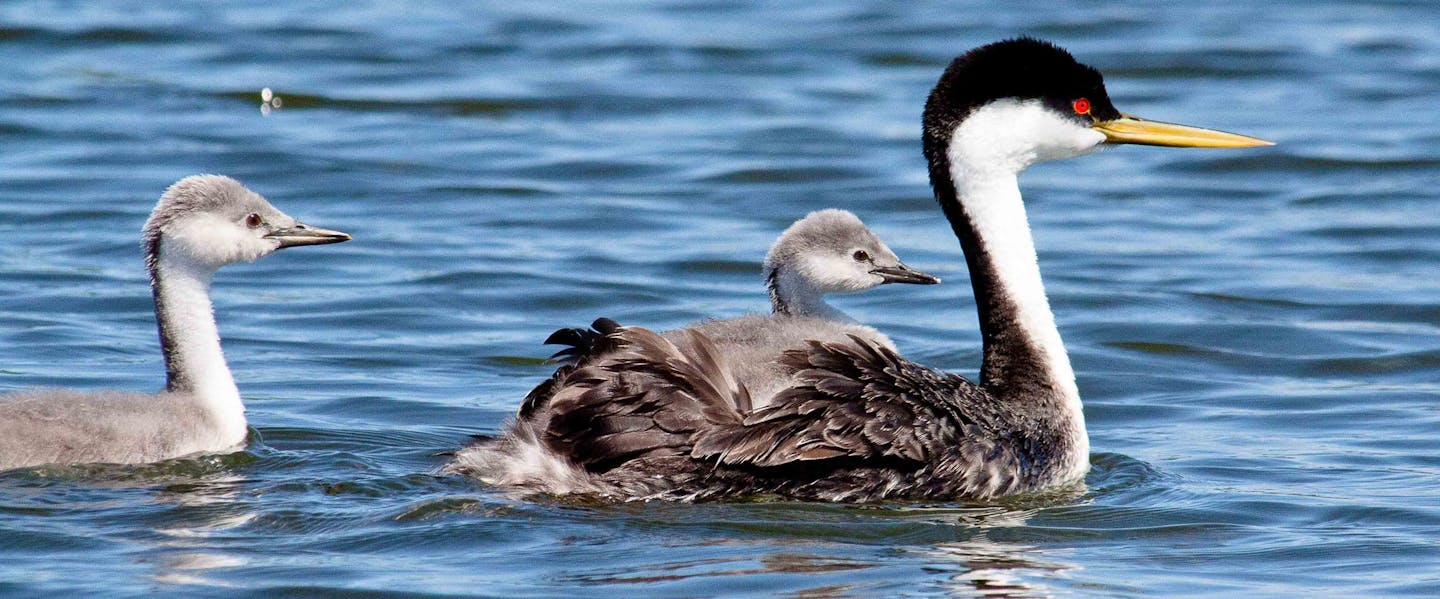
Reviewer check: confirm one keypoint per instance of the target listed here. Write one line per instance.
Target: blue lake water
(1256, 333)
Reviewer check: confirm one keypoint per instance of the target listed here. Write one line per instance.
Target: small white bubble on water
(269, 101)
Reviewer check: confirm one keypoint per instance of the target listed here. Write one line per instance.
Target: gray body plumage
(752, 345)
(200, 224)
(64, 426)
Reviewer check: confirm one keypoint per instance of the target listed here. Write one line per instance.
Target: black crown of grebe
(200, 224)
(637, 415)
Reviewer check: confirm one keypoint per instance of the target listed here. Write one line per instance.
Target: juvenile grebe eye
(862, 256)
(253, 220)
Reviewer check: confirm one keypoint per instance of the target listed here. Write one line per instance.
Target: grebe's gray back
(200, 224)
(641, 416)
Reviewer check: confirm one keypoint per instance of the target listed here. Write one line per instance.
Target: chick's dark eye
(862, 256)
(253, 220)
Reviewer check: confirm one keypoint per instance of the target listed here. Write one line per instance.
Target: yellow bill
(1130, 130)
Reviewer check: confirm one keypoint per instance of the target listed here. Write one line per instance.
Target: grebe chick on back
(830, 251)
(640, 416)
(826, 252)
(200, 224)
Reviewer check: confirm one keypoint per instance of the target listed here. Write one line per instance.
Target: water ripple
(1253, 332)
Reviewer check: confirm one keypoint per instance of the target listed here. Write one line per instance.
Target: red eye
(252, 220)
(1081, 106)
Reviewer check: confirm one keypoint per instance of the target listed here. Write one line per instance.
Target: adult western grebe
(640, 416)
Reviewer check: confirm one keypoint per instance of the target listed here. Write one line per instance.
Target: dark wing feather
(851, 400)
(644, 399)
(582, 342)
(584, 345)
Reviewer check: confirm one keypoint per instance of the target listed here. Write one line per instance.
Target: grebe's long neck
(189, 339)
(976, 182)
(1023, 351)
(794, 295)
